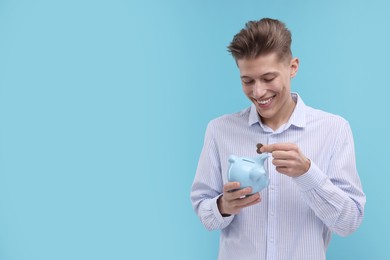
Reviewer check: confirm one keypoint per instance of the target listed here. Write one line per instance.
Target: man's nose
(259, 90)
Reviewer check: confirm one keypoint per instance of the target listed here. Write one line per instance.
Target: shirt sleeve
(208, 185)
(336, 196)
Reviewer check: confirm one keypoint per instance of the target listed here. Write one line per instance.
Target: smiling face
(266, 82)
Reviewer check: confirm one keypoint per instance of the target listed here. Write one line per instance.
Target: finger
(269, 148)
(247, 201)
(230, 186)
(239, 194)
(254, 203)
(283, 155)
(284, 163)
(257, 200)
(285, 170)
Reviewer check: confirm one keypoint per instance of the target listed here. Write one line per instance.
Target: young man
(314, 186)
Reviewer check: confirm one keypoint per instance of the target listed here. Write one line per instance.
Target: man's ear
(294, 65)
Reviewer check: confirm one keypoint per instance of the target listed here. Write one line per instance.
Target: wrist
(220, 208)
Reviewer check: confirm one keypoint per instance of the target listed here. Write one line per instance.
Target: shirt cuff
(314, 177)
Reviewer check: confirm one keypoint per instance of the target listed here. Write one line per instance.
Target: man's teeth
(263, 102)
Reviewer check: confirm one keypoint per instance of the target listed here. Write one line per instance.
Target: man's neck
(283, 117)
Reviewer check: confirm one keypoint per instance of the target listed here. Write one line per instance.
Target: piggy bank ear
(232, 158)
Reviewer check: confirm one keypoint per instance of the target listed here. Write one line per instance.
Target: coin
(258, 148)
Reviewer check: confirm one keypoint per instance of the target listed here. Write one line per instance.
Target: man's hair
(262, 37)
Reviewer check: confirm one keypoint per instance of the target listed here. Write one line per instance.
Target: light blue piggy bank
(249, 172)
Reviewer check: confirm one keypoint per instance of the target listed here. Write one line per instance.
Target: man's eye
(269, 80)
(247, 82)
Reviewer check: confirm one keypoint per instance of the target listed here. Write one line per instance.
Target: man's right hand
(233, 200)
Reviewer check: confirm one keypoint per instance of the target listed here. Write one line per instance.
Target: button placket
(272, 206)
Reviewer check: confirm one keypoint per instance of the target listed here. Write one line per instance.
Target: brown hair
(262, 37)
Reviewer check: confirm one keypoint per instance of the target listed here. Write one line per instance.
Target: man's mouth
(265, 101)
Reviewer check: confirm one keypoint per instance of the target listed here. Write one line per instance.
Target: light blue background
(104, 104)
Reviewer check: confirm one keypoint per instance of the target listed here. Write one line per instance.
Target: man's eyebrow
(271, 73)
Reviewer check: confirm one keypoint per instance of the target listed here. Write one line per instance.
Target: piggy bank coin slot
(245, 160)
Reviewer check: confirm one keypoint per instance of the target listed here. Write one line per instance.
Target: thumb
(267, 148)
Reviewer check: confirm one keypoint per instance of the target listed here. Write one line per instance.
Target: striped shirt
(296, 216)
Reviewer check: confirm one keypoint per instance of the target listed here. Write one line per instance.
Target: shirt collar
(298, 117)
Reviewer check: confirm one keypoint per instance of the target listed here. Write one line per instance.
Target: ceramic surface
(249, 172)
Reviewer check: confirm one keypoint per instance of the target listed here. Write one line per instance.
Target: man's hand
(287, 158)
(233, 200)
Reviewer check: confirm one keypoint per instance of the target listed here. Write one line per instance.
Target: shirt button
(272, 213)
